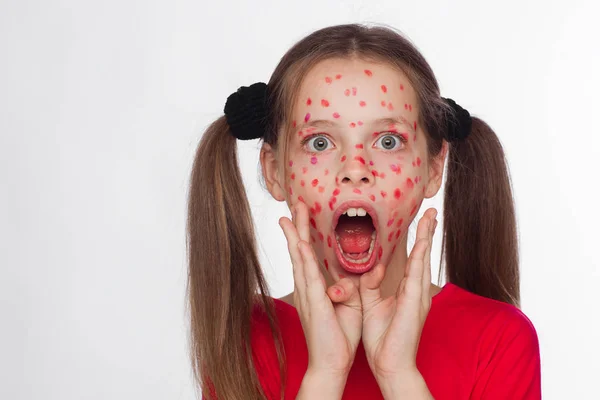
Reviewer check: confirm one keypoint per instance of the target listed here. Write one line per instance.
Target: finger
(302, 221)
(291, 235)
(427, 264)
(370, 285)
(315, 284)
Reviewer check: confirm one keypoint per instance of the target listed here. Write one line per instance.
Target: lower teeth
(364, 259)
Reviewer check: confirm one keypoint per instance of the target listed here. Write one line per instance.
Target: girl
(355, 136)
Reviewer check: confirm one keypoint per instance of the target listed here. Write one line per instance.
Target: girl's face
(356, 137)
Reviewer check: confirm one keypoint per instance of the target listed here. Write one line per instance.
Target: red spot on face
(341, 276)
(313, 223)
(328, 79)
(410, 107)
(390, 222)
(362, 103)
(321, 237)
(415, 125)
(290, 190)
(326, 172)
(328, 240)
(324, 103)
(399, 222)
(383, 88)
(359, 146)
(338, 76)
(357, 191)
(401, 87)
(418, 161)
(343, 158)
(291, 163)
(380, 252)
(405, 106)
(294, 124)
(415, 137)
(314, 182)
(321, 189)
(390, 235)
(336, 115)
(360, 159)
(382, 103)
(304, 170)
(313, 160)
(372, 197)
(360, 123)
(397, 193)
(336, 191)
(353, 91)
(395, 168)
(326, 265)
(308, 101)
(409, 183)
(397, 233)
(317, 207)
(390, 106)
(306, 117)
(302, 183)
(352, 125)
(382, 175)
(347, 92)
(374, 173)
(383, 194)
(300, 198)
(368, 72)
(404, 136)
(293, 175)
(371, 163)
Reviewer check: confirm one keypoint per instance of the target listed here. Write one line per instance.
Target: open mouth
(356, 240)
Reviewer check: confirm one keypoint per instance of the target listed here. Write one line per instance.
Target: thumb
(345, 291)
(370, 290)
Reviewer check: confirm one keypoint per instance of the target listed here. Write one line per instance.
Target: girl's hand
(332, 331)
(392, 326)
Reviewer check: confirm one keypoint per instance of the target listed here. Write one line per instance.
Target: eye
(389, 140)
(319, 142)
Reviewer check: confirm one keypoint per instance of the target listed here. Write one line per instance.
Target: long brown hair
(225, 281)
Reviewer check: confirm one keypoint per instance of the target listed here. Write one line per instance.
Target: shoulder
(492, 324)
(486, 320)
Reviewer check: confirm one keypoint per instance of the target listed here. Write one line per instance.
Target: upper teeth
(353, 212)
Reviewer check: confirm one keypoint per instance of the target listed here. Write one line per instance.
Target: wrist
(321, 384)
(409, 385)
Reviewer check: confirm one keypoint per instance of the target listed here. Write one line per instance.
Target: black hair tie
(246, 111)
(461, 127)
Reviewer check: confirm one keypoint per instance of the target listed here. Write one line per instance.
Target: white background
(102, 105)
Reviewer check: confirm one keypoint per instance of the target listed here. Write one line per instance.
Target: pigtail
(223, 272)
(480, 229)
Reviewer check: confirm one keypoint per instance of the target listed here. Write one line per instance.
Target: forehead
(348, 82)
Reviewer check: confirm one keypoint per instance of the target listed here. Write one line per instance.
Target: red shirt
(471, 347)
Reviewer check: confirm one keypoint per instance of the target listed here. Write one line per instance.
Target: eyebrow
(327, 123)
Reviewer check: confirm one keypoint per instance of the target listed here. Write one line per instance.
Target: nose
(355, 174)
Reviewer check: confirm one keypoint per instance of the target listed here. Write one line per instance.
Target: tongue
(355, 235)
